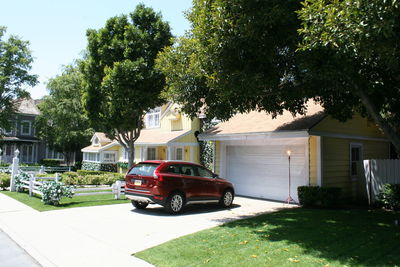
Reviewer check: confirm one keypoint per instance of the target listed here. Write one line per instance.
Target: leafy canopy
(15, 64)
(61, 122)
(121, 83)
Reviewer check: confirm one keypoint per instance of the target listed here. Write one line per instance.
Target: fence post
(41, 169)
(57, 177)
(14, 170)
(69, 168)
(118, 189)
(30, 184)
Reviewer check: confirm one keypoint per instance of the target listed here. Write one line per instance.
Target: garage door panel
(262, 171)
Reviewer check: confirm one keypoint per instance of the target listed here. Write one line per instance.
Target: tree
(15, 63)
(61, 122)
(248, 57)
(121, 83)
(360, 41)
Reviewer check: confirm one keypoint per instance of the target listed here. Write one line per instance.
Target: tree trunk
(383, 124)
(131, 154)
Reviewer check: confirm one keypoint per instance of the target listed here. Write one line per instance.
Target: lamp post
(289, 199)
(1, 154)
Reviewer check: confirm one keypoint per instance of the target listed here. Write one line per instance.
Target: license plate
(138, 182)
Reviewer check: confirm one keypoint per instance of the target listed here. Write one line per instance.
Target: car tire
(175, 203)
(139, 205)
(226, 199)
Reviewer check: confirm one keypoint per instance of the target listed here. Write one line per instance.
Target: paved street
(108, 235)
(12, 255)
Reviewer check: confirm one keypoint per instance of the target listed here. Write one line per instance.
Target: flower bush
(389, 197)
(4, 180)
(22, 176)
(53, 191)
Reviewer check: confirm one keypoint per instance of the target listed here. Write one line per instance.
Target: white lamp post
(1, 154)
(289, 199)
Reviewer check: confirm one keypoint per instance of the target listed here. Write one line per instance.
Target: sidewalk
(53, 243)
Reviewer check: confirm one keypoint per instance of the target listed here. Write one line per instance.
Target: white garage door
(263, 171)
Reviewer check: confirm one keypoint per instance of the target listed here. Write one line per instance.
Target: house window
(125, 157)
(151, 153)
(27, 153)
(109, 157)
(25, 127)
(52, 154)
(96, 141)
(90, 156)
(179, 153)
(153, 118)
(355, 159)
(9, 150)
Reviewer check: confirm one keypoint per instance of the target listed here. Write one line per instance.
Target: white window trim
(147, 152)
(22, 127)
(360, 145)
(87, 156)
(108, 152)
(183, 152)
(152, 113)
(96, 141)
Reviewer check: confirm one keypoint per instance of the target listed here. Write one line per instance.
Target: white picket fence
(379, 172)
(34, 183)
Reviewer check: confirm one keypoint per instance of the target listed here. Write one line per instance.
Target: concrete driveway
(108, 235)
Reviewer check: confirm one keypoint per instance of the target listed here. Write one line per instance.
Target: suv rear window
(144, 169)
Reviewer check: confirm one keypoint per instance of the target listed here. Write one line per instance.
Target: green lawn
(291, 237)
(76, 201)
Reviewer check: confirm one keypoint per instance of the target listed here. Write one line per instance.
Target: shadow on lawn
(369, 238)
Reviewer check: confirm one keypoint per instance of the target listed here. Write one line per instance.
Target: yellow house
(251, 150)
(168, 135)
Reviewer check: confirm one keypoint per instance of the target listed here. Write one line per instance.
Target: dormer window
(96, 141)
(152, 119)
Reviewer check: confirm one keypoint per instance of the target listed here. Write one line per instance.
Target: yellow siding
(313, 160)
(188, 138)
(137, 154)
(176, 125)
(336, 160)
(196, 157)
(358, 126)
(186, 151)
(162, 152)
(217, 157)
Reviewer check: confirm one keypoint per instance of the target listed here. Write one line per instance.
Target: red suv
(174, 184)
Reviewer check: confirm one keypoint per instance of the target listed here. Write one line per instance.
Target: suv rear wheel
(226, 199)
(139, 205)
(175, 203)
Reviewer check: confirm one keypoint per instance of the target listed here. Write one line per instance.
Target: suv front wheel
(175, 203)
(226, 199)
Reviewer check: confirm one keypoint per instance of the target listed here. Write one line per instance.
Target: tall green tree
(354, 57)
(15, 64)
(121, 83)
(247, 56)
(61, 123)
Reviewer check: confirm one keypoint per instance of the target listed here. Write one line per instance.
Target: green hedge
(90, 178)
(389, 197)
(95, 166)
(51, 162)
(315, 196)
(4, 180)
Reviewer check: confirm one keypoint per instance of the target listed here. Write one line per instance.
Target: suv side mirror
(215, 175)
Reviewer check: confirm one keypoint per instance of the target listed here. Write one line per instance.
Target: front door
(357, 171)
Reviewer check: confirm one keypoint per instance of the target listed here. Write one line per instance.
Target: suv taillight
(157, 176)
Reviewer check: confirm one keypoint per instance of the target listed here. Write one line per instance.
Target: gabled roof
(102, 137)
(159, 137)
(27, 106)
(260, 122)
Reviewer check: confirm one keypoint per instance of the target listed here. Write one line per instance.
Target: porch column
(170, 152)
(144, 153)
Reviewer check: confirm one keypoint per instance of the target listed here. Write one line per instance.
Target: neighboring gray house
(22, 136)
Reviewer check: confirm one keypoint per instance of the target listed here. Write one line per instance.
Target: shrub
(83, 177)
(108, 167)
(4, 180)
(308, 195)
(90, 166)
(123, 165)
(71, 178)
(87, 172)
(389, 197)
(315, 196)
(93, 179)
(22, 176)
(4, 164)
(78, 165)
(51, 162)
(53, 191)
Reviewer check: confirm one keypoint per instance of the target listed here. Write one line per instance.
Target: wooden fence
(34, 183)
(379, 172)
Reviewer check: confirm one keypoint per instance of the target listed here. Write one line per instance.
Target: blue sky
(56, 29)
